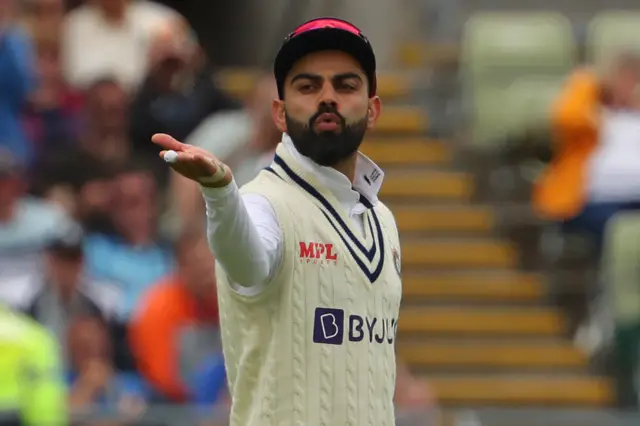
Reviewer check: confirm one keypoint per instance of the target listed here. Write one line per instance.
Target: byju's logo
(328, 326)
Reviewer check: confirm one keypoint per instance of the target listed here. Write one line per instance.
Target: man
(64, 291)
(308, 258)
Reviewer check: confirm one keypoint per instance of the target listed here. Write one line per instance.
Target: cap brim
(324, 39)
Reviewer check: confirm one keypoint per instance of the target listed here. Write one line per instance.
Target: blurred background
(507, 138)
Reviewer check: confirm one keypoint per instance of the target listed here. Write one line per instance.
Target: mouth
(328, 122)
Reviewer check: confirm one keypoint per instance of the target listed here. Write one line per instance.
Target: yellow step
(401, 119)
(406, 151)
(494, 355)
(240, 82)
(473, 287)
(428, 184)
(424, 219)
(480, 320)
(420, 54)
(447, 254)
(520, 391)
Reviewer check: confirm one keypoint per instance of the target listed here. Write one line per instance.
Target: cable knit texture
(316, 346)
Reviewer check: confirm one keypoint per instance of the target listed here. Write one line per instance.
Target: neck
(348, 167)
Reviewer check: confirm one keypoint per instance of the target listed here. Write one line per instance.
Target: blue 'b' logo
(328, 327)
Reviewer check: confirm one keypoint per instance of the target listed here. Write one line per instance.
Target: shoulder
(385, 214)
(21, 292)
(153, 10)
(28, 333)
(583, 77)
(388, 221)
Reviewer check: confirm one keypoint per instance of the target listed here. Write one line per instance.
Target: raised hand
(194, 163)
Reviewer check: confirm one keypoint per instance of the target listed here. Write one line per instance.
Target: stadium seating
(620, 267)
(498, 49)
(609, 32)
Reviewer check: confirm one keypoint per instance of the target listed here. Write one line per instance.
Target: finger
(167, 142)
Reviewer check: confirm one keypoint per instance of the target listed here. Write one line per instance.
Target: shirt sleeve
(244, 234)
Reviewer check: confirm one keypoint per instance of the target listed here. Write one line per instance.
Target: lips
(328, 118)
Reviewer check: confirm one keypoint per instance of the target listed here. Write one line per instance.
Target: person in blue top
(17, 80)
(94, 383)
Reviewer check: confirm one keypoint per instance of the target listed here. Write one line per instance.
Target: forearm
(234, 238)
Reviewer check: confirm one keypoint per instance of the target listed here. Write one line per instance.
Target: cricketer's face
(326, 108)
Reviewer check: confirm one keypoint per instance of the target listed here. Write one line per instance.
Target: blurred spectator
(38, 398)
(177, 94)
(27, 225)
(244, 139)
(105, 134)
(110, 37)
(174, 334)
(64, 291)
(16, 81)
(78, 177)
(130, 256)
(54, 112)
(93, 379)
(412, 393)
(594, 173)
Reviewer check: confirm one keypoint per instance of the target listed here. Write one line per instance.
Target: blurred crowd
(99, 241)
(592, 181)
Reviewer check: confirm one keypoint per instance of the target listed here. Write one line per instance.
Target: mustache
(327, 109)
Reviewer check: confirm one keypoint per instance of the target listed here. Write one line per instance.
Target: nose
(328, 96)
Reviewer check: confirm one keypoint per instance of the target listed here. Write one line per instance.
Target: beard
(326, 148)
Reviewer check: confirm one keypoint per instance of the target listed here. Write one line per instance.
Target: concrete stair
(477, 328)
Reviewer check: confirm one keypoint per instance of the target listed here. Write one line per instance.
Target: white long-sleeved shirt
(243, 230)
(613, 173)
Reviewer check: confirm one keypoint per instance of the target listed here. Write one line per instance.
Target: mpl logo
(329, 328)
(317, 253)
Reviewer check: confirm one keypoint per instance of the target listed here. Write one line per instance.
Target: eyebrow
(316, 77)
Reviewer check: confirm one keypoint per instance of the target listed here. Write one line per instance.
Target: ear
(375, 108)
(278, 115)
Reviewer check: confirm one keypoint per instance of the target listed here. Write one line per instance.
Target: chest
(343, 264)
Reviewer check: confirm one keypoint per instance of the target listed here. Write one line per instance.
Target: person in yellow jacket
(32, 389)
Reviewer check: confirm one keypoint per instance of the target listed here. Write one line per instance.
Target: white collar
(368, 178)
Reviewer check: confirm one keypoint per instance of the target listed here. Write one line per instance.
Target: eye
(347, 86)
(306, 87)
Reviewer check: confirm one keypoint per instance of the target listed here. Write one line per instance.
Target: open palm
(192, 162)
